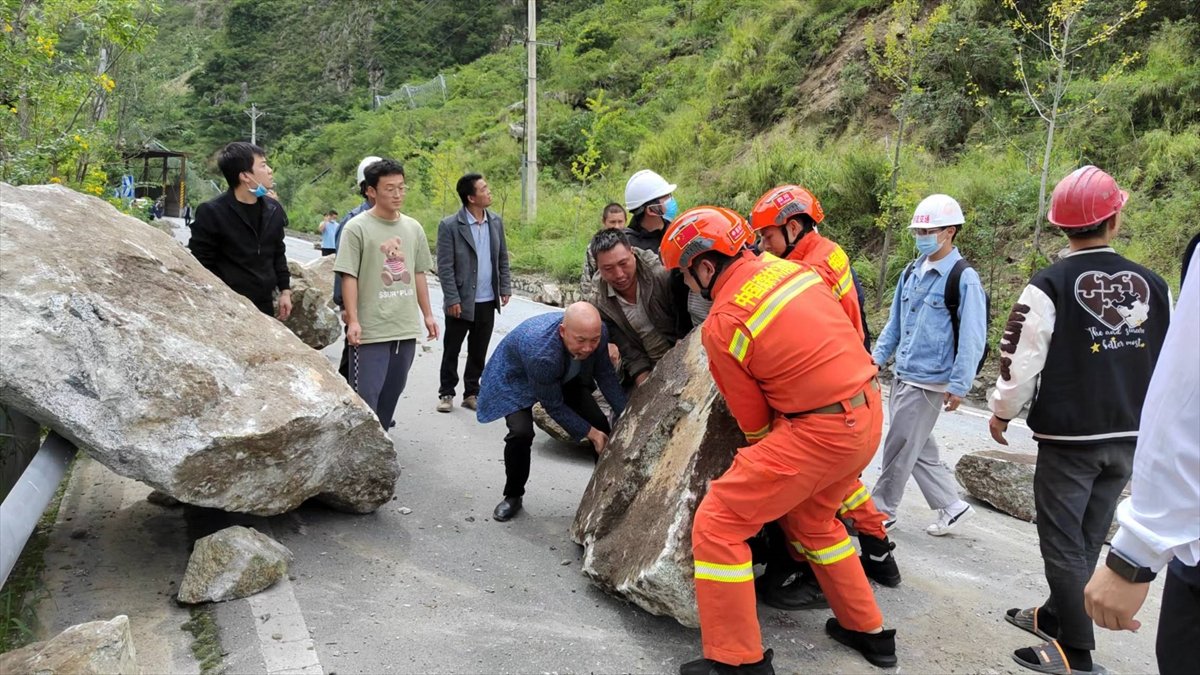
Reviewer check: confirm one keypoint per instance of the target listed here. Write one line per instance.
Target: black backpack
(952, 301)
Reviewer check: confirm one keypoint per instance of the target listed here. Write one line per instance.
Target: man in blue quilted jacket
(556, 360)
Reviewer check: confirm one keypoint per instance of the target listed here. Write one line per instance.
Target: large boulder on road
(233, 563)
(117, 338)
(1002, 479)
(94, 648)
(315, 319)
(635, 519)
(1005, 480)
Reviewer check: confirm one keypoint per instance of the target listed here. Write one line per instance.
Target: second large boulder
(315, 319)
(635, 519)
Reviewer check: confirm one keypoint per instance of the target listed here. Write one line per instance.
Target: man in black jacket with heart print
(1081, 343)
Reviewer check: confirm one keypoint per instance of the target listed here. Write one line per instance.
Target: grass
(24, 588)
(206, 642)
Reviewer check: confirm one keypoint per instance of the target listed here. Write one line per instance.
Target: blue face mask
(670, 210)
(927, 244)
(260, 191)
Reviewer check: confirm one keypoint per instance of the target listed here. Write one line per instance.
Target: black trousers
(1075, 489)
(1178, 644)
(518, 443)
(478, 334)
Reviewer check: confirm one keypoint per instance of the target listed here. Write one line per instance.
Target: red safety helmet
(702, 229)
(1085, 197)
(783, 203)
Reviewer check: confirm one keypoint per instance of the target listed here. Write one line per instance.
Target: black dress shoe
(507, 509)
(878, 648)
(710, 667)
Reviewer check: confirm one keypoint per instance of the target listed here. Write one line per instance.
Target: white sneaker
(948, 520)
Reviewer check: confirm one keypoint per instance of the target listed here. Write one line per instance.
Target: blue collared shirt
(919, 333)
(481, 234)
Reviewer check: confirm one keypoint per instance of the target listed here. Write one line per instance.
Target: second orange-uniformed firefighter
(804, 392)
(785, 219)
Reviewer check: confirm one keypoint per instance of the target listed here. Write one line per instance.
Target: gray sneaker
(445, 404)
(469, 402)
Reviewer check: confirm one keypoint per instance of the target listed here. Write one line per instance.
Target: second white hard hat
(362, 167)
(937, 211)
(645, 186)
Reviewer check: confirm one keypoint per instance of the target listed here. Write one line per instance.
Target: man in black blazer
(472, 262)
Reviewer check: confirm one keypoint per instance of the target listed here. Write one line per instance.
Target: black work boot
(710, 667)
(878, 648)
(803, 591)
(878, 561)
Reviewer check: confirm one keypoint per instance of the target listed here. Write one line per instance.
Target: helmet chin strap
(706, 290)
(789, 243)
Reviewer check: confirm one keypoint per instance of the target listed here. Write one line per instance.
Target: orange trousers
(859, 509)
(799, 474)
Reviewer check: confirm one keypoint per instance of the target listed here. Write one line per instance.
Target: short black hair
(377, 170)
(466, 186)
(236, 158)
(1089, 231)
(331, 212)
(606, 240)
(806, 221)
(610, 208)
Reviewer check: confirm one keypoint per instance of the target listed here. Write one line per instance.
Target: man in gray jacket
(633, 294)
(472, 262)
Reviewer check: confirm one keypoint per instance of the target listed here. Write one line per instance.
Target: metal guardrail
(33, 490)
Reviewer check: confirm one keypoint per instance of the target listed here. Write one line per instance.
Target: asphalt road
(429, 583)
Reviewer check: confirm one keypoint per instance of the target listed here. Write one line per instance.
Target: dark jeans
(379, 372)
(1075, 489)
(577, 394)
(1178, 644)
(478, 334)
(328, 251)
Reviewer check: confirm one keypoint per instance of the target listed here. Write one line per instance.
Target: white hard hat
(937, 211)
(362, 167)
(645, 186)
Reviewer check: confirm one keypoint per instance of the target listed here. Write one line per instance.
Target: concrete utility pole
(531, 170)
(254, 113)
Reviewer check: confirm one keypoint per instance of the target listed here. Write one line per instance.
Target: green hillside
(724, 97)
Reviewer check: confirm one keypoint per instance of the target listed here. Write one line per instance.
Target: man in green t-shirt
(384, 258)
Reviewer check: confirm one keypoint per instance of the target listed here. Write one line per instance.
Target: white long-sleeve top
(1161, 519)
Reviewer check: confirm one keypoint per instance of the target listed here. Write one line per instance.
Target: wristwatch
(1127, 569)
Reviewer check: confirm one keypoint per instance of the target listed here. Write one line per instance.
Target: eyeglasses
(927, 230)
(393, 189)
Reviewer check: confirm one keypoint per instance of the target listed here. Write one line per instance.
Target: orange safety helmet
(783, 203)
(703, 229)
(1087, 196)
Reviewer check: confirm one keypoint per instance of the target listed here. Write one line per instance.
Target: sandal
(1052, 660)
(1027, 619)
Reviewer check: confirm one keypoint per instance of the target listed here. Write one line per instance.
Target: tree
(1058, 38)
(898, 62)
(57, 61)
(587, 165)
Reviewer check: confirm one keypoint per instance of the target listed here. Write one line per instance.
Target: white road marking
(283, 637)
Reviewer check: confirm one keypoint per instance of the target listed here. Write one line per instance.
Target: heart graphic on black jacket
(1115, 299)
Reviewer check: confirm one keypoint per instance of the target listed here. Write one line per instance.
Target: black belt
(834, 408)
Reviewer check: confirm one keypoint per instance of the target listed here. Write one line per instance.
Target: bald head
(580, 330)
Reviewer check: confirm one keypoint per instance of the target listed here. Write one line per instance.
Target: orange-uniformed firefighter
(785, 220)
(785, 357)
